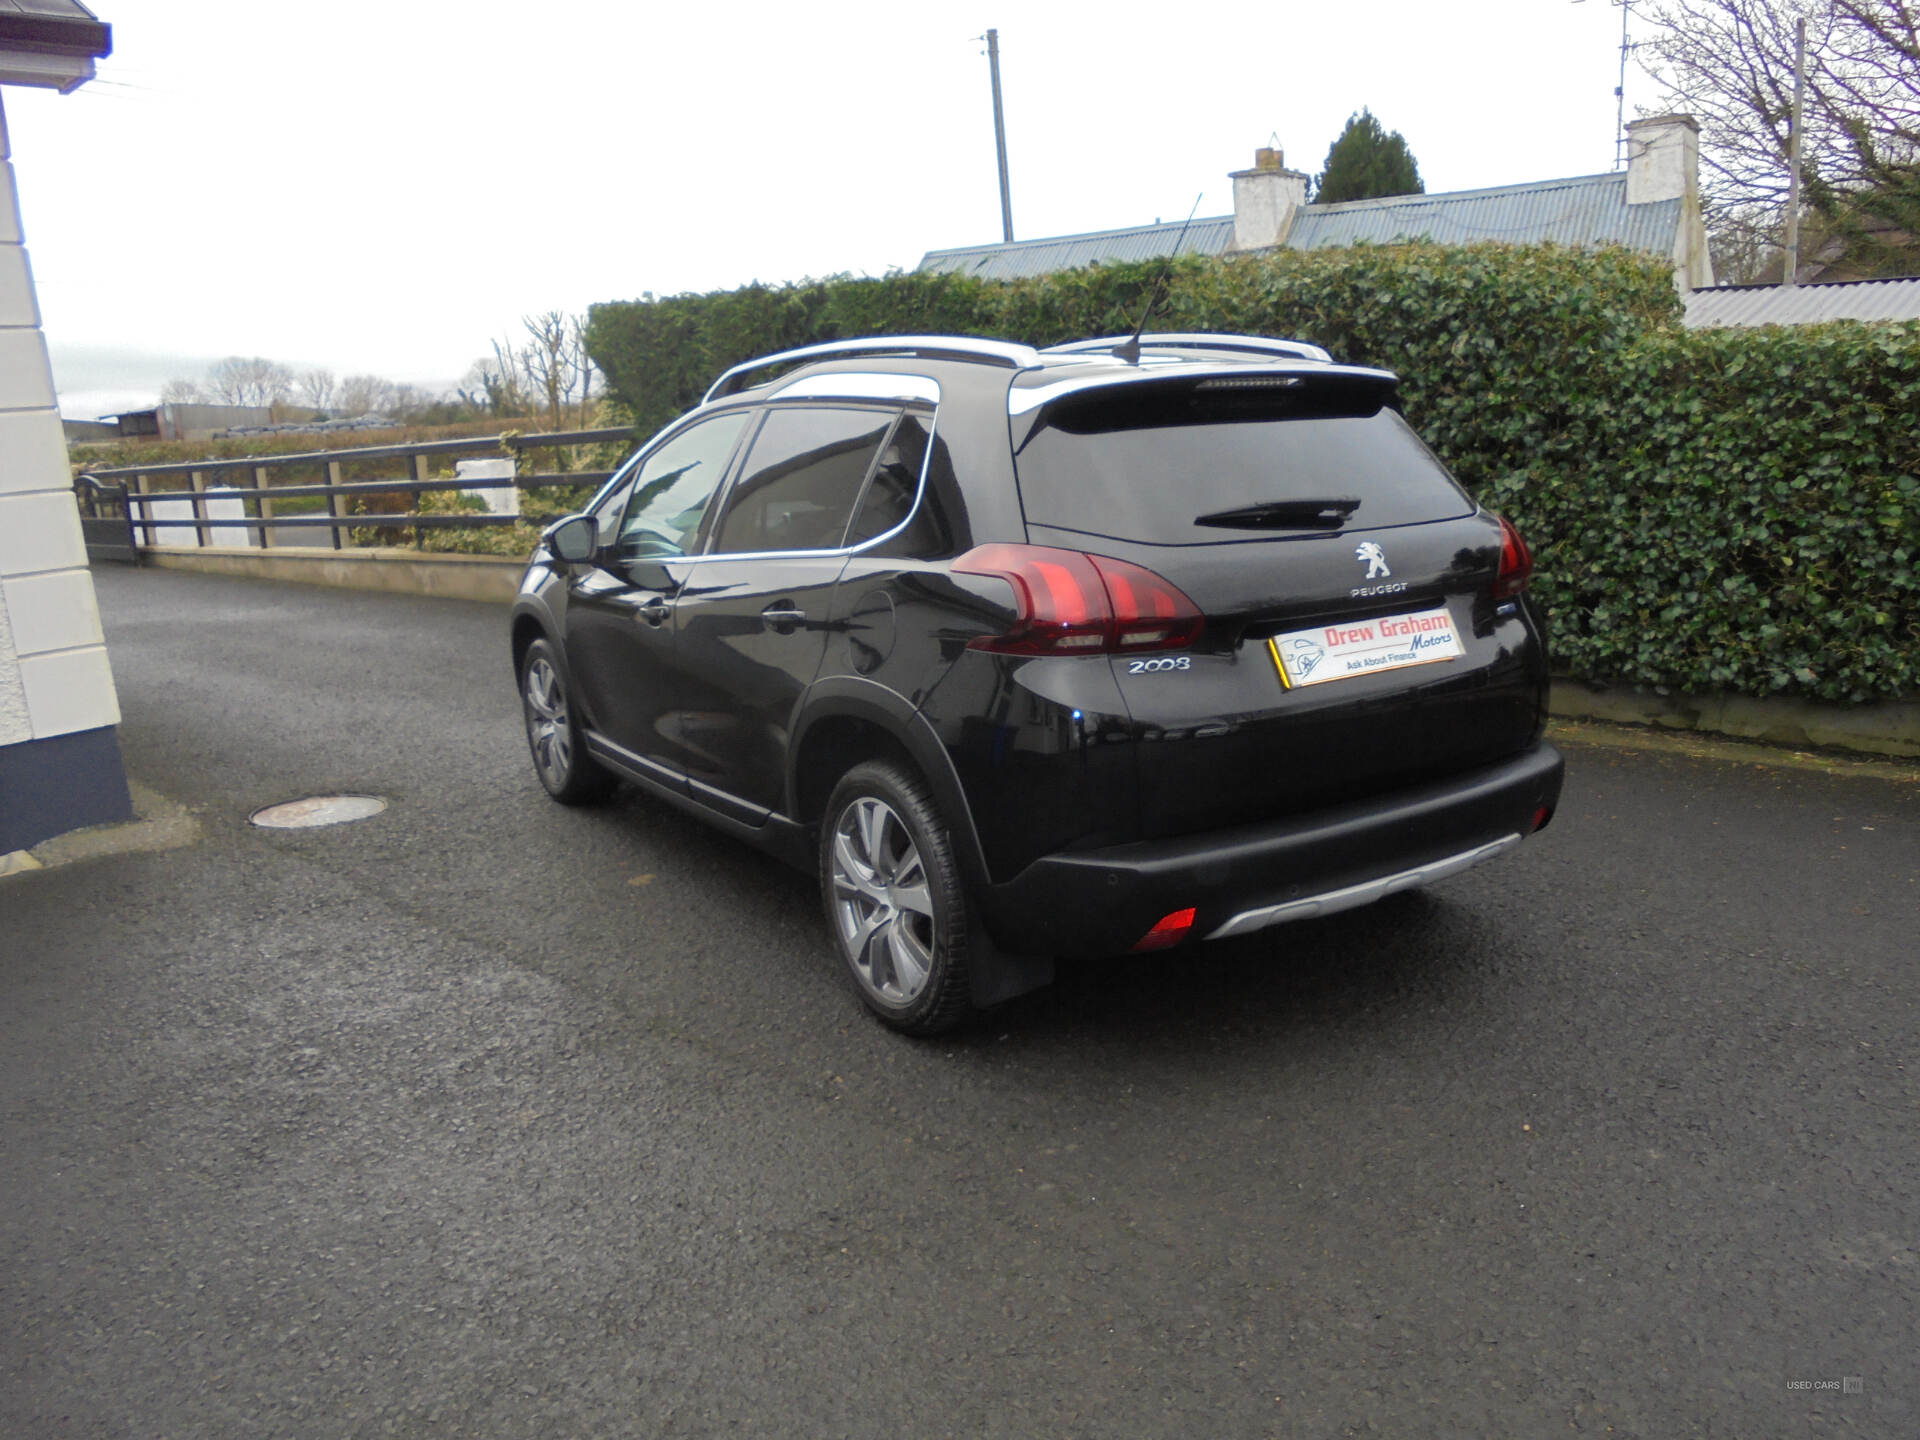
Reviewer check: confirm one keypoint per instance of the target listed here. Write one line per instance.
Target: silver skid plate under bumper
(1365, 893)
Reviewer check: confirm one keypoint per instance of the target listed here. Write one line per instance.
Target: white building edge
(60, 765)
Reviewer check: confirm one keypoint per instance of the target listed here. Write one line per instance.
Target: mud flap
(996, 975)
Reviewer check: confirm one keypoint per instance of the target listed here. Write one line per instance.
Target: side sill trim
(637, 767)
(1332, 902)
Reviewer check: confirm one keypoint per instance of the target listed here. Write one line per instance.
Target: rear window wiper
(1328, 514)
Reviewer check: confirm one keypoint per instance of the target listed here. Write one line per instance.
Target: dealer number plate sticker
(1363, 647)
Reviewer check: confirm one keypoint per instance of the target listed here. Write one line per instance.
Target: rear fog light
(1169, 930)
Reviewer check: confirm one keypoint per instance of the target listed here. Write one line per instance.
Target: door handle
(781, 617)
(654, 610)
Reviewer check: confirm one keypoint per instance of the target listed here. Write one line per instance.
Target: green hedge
(1752, 518)
(1729, 510)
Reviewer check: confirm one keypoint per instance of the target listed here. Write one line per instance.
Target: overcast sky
(380, 186)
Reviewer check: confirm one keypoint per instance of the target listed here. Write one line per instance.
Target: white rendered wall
(215, 507)
(54, 677)
(1663, 163)
(499, 502)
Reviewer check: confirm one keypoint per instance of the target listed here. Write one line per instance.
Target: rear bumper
(1100, 902)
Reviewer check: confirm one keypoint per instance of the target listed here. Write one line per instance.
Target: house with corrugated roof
(1651, 205)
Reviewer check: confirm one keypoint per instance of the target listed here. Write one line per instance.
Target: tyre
(560, 758)
(895, 901)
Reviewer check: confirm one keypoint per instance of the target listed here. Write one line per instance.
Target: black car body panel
(1086, 794)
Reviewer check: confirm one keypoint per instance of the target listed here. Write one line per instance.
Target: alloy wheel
(882, 906)
(549, 727)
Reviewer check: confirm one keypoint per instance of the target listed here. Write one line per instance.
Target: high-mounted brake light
(1516, 563)
(1071, 603)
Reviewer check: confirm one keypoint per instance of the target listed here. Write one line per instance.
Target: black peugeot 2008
(1108, 647)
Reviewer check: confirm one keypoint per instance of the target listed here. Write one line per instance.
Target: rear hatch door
(1352, 644)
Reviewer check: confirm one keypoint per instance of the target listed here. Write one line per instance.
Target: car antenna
(1129, 352)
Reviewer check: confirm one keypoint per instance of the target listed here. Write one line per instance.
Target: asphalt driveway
(488, 1118)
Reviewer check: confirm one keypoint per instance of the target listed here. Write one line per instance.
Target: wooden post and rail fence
(118, 505)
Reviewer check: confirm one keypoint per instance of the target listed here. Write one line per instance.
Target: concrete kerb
(1886, 727)
(1881, 728)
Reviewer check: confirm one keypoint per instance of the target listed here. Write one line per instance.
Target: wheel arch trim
(849, 697)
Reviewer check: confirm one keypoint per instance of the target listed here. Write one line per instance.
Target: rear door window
(888, 503)
(801, 478)
(1151, 467)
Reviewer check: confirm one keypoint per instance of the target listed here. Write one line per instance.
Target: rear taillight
(1516, 563)
(1070, 603)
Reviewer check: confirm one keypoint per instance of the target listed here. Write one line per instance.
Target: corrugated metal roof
(58, 9)
(1585, 210)
(1804, 304)
(1070, 252)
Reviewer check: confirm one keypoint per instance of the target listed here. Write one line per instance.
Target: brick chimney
(1663, 163)
(1265, 199)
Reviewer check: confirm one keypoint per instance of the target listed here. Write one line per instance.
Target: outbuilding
(60, 765)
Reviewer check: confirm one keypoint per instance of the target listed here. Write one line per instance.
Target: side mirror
(572, 539)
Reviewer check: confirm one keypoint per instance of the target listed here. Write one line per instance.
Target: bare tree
(547, 361)
(1730, 63)
(365, 395)
(583, 367)
(405, 401)
(182, 392)
(315, 388)
(249, 380)
(493, 385)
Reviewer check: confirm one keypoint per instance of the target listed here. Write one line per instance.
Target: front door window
(672, 488)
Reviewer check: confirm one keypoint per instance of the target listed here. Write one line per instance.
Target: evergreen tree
(1365, 162)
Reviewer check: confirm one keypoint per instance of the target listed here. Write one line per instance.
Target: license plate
(1365, 647)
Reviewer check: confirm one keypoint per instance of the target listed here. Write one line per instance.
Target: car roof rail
(1251, 344)
(916, 347)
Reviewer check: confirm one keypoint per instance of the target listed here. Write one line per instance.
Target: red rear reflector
(1168, 930)
(1068, 602)
(1516, 563)
(1541, 817)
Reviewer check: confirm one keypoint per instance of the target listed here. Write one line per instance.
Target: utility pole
(1000, 135)
(1792, 275)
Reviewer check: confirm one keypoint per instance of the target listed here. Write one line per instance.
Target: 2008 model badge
(1375, 557)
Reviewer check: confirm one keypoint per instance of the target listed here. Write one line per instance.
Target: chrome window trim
(960, 347)
(843, 551)
(1021, 399)
(861, 385)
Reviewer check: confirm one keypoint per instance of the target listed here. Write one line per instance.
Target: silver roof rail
(917, 347)
(1251, 344)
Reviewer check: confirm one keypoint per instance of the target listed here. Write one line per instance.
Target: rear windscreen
(1152, 468)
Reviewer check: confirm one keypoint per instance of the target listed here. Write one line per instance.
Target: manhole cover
(318, 810)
